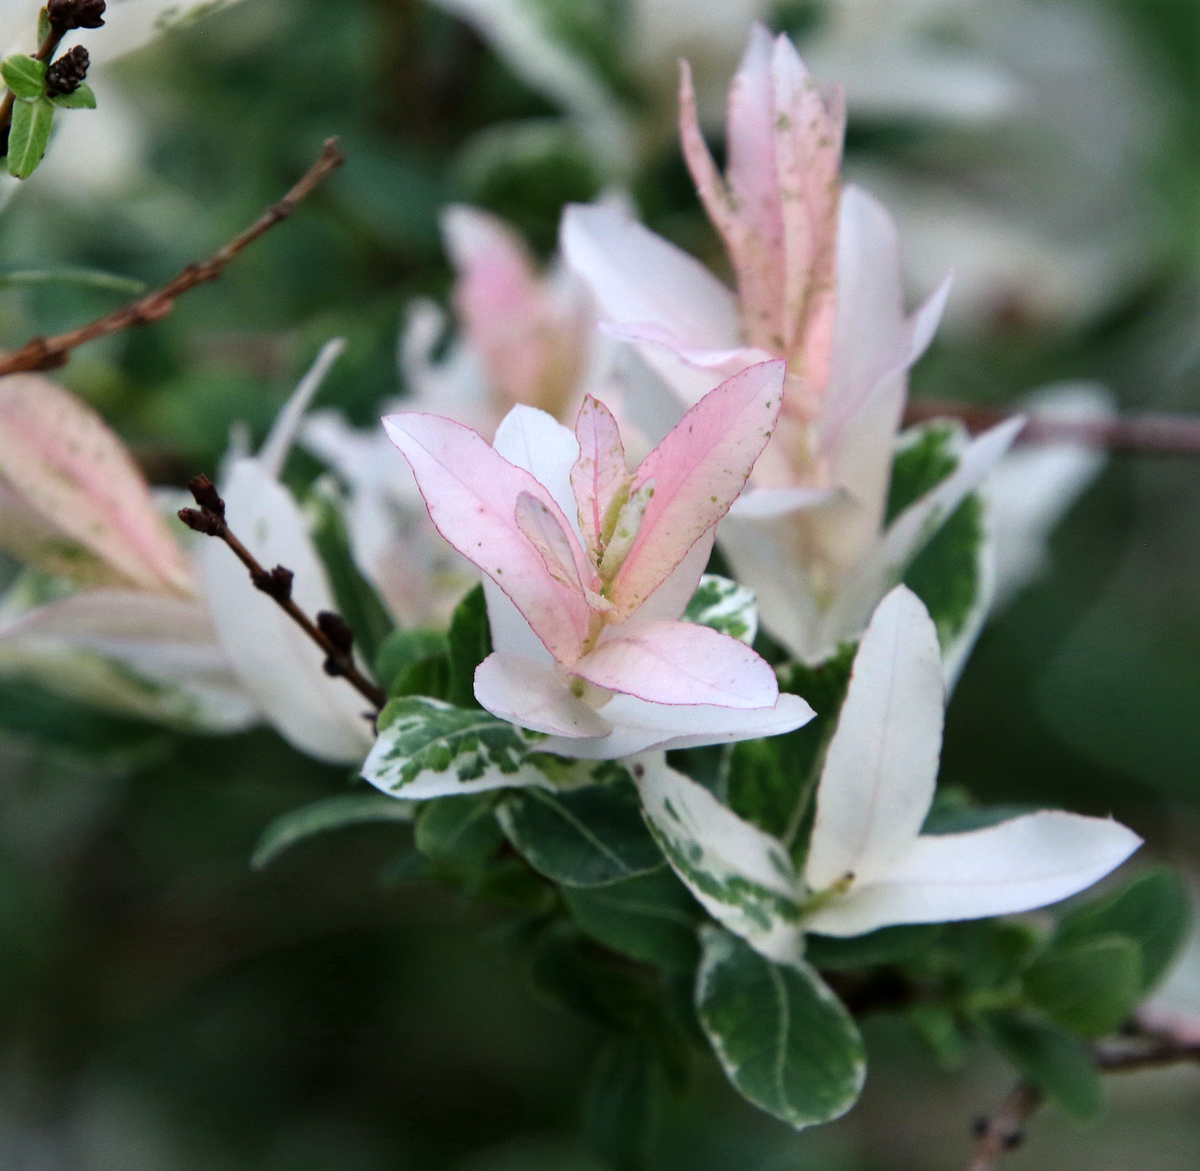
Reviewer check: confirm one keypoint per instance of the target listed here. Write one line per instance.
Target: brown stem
(1148, 434)
(329, 631)
(48, 353)
(1146, 1044)
(1004, 1130)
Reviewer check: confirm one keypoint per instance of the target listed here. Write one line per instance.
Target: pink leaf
(71, 475)
(599, 473)
(697, 472)
(681, 663)
(471, 492)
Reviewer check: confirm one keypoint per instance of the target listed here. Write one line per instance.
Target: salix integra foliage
(718, 839)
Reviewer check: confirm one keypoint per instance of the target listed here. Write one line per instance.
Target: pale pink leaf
(471, 493)
(681, 663)
(65, 466)
(551, 539)
(697, 472)
(599, 473)
(808, 154)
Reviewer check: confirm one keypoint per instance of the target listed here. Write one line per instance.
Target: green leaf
(354, 596)
(783, 1038)
(321, 817)
(650, 918)
(414, 662)
(427, 749)
(81, 99)
(591, 983)
(885, 946)
(82, 277)
(1090, 987)
(947, 574)
(938, 1030)
(24, 76)
(1153, 910)
(725, 606)
(771, 782)
(1054, 1061)
(587, 838)
(29, 136)
(459, 831)
(470, 643)
(621, 1106)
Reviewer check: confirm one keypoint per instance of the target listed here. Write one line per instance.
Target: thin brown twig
(329, 631)
(1004, 1129)
(1146, 1044)
(48, 353)
(1152, 434)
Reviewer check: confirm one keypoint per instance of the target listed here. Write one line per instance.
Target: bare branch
(1004, 1130)
(1148, 1043)
(328, 631)
(1146, 434)
(48, 353)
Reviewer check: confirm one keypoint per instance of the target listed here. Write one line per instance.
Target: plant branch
(329, 631)
(1146, 1044)
(1147, 434)
(48, 353)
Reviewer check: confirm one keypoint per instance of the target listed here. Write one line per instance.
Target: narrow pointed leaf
(471, 492)
(333, 813)
(697, 471)
(878, 779)
(600, 472)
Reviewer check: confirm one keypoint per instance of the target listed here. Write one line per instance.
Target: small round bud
(66, 75)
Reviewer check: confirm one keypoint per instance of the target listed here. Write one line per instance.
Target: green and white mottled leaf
(725, 606)
(24, 76)
(29, 135)
(592, 837)
(952, 572)
(320, 817)
(742, 876)
(783, 1038)
(428, 749)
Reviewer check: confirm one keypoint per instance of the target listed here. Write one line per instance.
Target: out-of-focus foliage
(166, 1006)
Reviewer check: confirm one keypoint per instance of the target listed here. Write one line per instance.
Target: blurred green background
(164, 1007)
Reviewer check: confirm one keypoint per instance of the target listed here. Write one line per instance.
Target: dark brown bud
(335, 628)
(201, 521)
(68, 14)
(66, 75)
(205, 494)
(276, 583)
